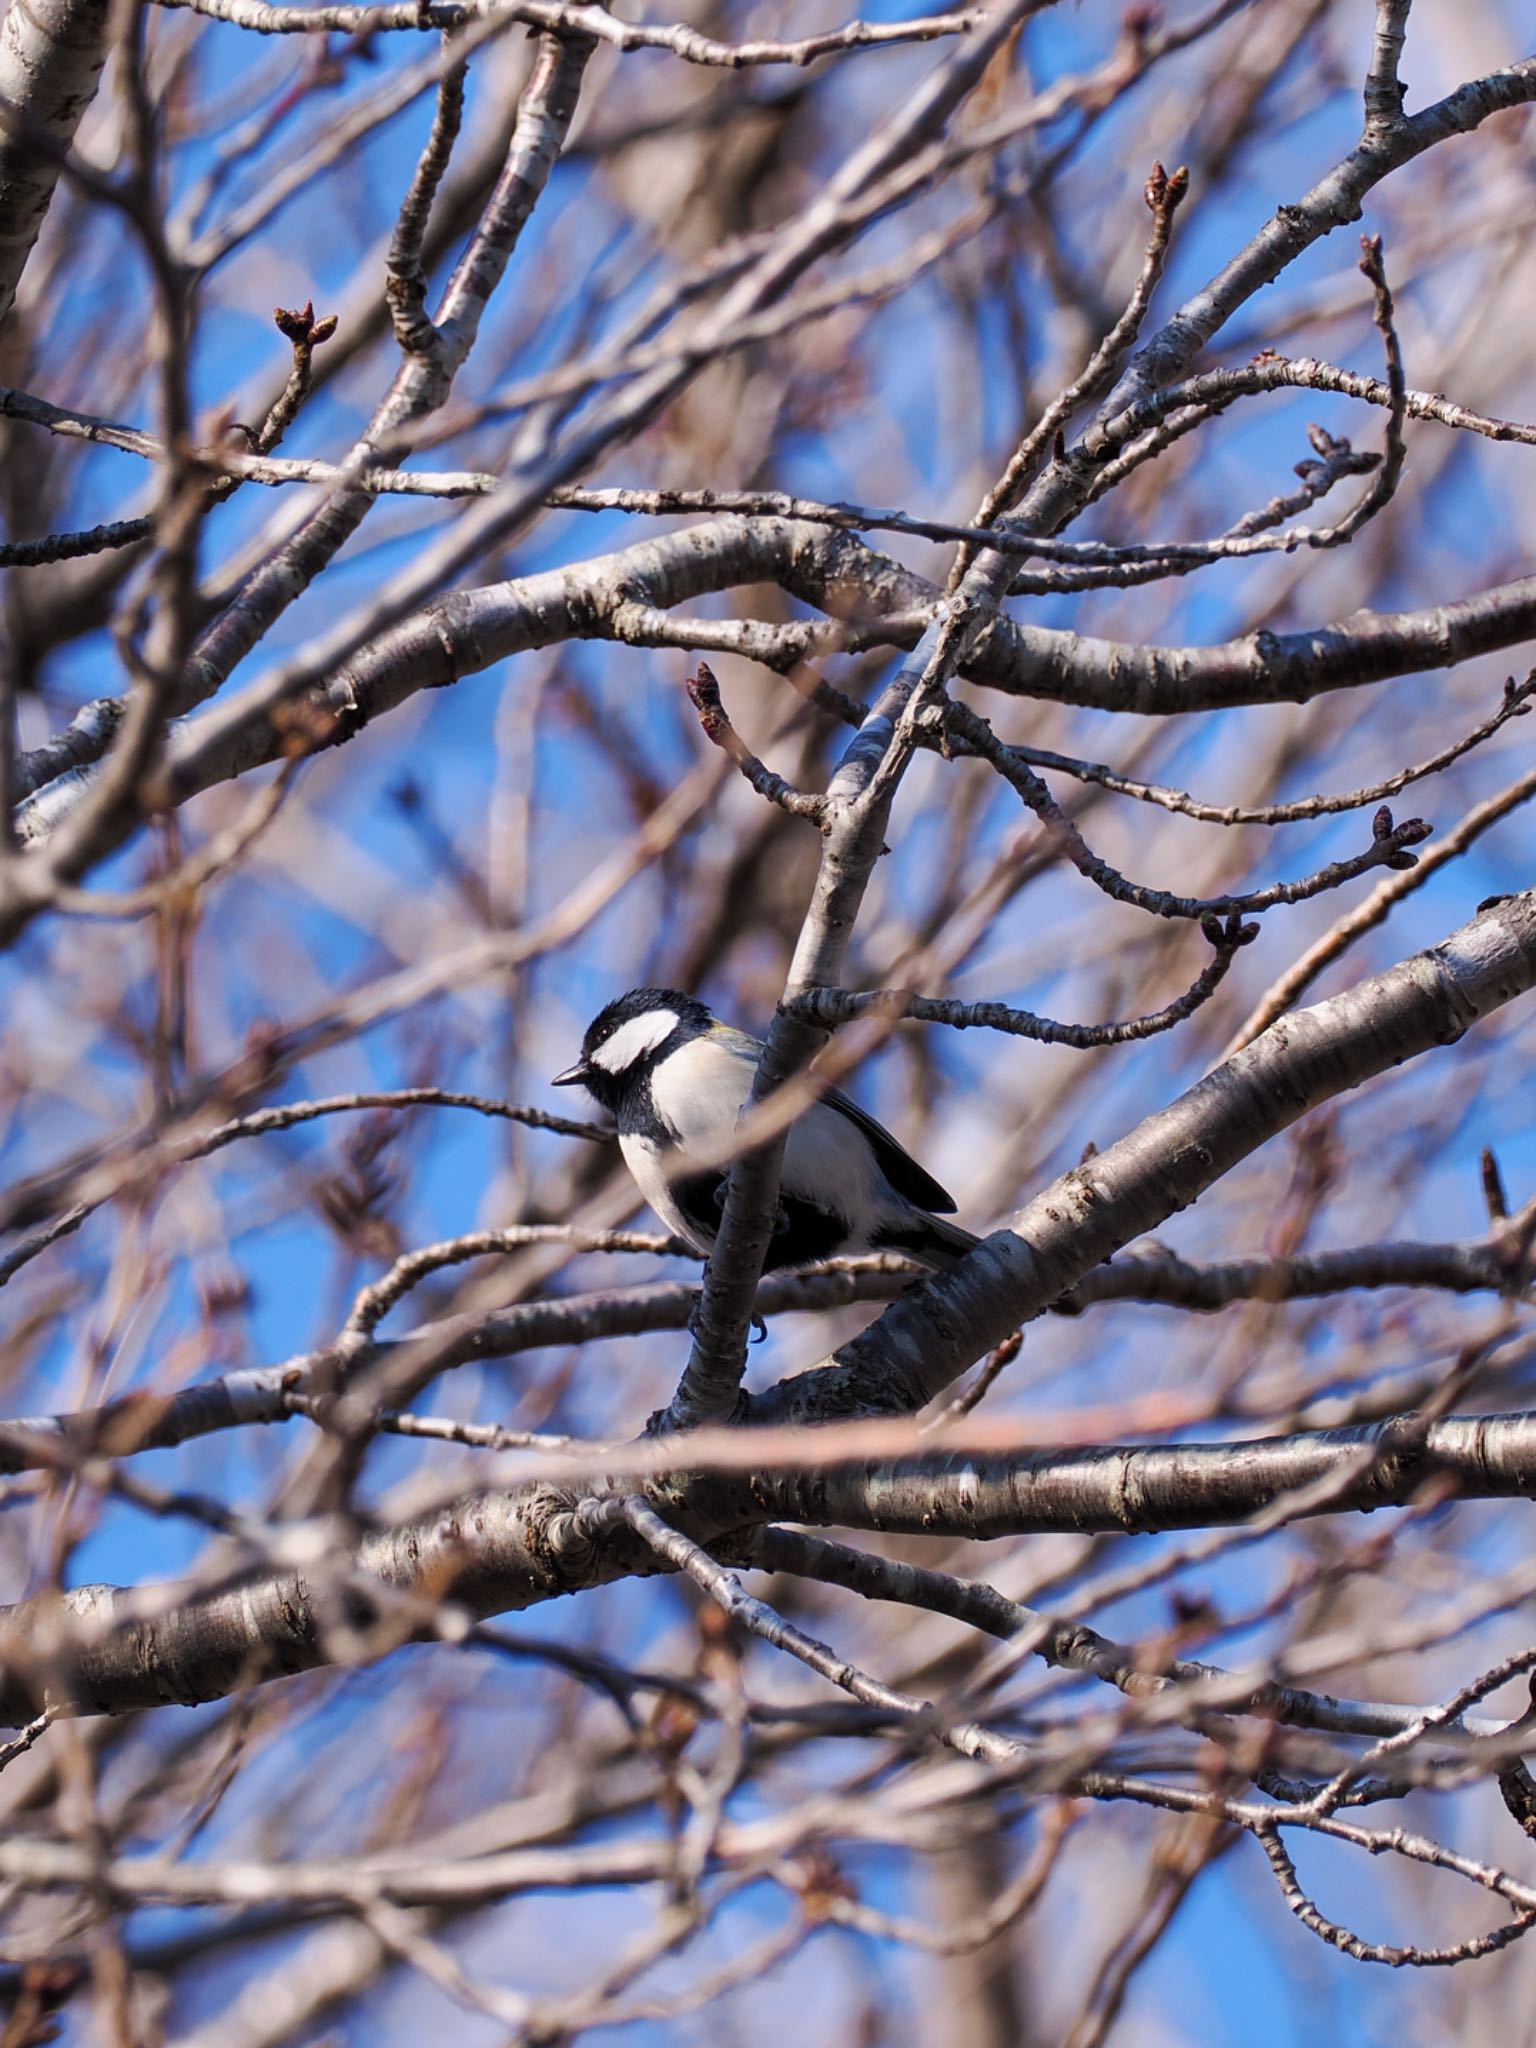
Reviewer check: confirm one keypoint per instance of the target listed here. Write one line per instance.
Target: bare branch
(704, 694)
(1163, 194)
(51, 55)
(922, 1343)
(1378, 907)
(856, 810)
(680, 39)
(831, 1007)
(1384, 91)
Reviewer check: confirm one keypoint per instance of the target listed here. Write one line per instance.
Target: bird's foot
(759, 1328)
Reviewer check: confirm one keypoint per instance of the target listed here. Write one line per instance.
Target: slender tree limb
(1163, 195)
(714, 720)
(1363, 1951)
(405, 289)
(831, 1007)
(1073, 1646)
(1390, 844)
(86, 1189)
(680, 39)
(854, 815)
(1516, 703)
(1204, 397)
(1378, 907)
(683, 1555)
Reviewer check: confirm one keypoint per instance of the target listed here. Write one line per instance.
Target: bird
(675, 1080)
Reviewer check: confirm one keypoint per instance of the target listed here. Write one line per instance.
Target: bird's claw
(759, 1329)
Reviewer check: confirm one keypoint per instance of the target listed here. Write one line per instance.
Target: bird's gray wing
(897, 1164)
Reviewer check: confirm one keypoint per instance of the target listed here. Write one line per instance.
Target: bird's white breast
(643, 1157)
(699, 1093)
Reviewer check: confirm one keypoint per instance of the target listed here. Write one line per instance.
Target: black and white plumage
(676, 1079)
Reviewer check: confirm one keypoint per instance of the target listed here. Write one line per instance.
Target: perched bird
(675, 1079)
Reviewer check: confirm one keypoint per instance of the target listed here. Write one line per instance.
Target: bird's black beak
(572, 1076)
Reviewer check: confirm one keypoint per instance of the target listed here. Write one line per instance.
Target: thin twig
(830, 1007)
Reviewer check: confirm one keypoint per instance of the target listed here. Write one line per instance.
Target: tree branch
(854, 815)
(101, 1649)
(925, 1340)
(51, 54)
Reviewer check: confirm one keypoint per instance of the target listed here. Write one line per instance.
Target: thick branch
(925, 1340)
(468, 631)
(51, 54)
(1151, 1272)
(495, 1552)
(1147, 1487)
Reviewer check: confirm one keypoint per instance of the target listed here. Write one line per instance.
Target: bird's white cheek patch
(632, 1041)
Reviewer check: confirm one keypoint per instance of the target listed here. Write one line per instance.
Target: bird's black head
(625, 1040)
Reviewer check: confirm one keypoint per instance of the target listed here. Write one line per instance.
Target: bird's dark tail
(937, 1244)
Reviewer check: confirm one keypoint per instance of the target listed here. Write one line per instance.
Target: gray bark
(51, 54)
